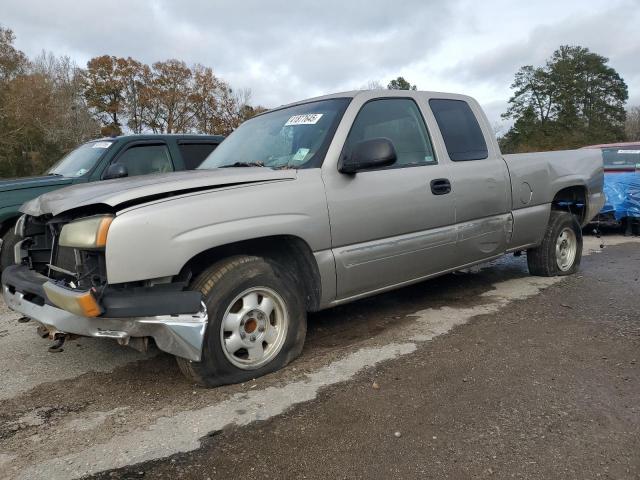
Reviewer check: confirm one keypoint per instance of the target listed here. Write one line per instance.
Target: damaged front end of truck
(60, 281)
(60, 278)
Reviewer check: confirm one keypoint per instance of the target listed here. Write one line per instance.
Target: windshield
(294, 137)
(79, 161)
(622, 158)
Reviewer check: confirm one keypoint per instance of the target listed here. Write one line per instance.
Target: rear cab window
(193, 154)
(460, 130)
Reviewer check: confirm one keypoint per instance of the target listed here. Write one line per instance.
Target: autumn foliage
(49, 105)
(43, 113)
(166, 97)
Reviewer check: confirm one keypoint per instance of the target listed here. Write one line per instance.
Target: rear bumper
(179, 334)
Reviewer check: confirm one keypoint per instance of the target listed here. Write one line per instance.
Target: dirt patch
(39, 418)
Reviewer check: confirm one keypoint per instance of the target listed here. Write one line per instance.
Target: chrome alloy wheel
(566, 249)
(254, 328)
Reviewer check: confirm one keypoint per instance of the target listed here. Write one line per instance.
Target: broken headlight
(86, 233)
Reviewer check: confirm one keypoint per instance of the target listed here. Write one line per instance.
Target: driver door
(387, 225)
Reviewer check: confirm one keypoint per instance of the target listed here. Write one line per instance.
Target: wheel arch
(8, 223)
(572, 199)
(290, 251)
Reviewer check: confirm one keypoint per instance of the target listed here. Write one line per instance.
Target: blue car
(621, 186)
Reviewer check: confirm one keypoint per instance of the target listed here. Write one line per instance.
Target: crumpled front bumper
(181, 334)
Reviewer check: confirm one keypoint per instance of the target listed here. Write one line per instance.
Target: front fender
(158, 239)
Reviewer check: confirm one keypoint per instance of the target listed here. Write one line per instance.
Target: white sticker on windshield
(101, 145)
(307, 119)
(629, 151)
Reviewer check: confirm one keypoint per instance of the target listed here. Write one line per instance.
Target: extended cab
(101, 159)
(307, 206)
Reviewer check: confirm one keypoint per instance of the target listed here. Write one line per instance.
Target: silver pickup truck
(305, 207)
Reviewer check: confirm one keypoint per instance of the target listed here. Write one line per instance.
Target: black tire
(220, 285)
(9, 241)
(542, 260)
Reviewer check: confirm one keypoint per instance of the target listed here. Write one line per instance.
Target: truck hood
(33, 182)
(130, 191)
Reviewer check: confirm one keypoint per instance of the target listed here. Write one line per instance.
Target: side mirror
(115, 170)
(368, 154)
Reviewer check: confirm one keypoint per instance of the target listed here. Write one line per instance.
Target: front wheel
(561, 249)
(257, 321)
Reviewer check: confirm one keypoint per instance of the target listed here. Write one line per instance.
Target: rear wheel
(7, 256)
(257, 321)
(561, 249)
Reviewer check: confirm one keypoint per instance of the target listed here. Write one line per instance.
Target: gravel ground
(486, 373)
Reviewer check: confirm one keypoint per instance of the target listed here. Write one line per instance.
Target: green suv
(102, 159)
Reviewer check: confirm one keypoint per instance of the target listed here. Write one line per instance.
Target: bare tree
(632, 124)
(372, 85)
(43, 113)
(70, 122)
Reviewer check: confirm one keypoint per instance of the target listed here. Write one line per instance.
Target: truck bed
(535, 177)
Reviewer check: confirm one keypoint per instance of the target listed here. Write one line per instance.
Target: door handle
(440, 186)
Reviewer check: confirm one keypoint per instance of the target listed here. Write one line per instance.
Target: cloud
(286, 51)
(611, 32)
(273, 47)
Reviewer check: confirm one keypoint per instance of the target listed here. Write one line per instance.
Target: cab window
(146, 159)
(399, 120)
(460, 130)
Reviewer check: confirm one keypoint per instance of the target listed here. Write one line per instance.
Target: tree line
(165, 97)
(574, 100)
(42, 110)
(49, 105)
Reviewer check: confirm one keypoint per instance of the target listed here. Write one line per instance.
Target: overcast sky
(285, 51)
